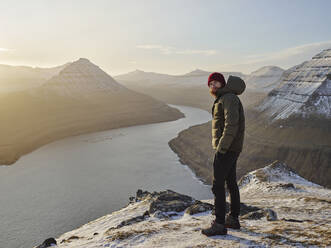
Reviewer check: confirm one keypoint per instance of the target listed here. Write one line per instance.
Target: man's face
(213, 87)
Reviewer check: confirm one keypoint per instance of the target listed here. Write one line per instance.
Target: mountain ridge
(17, 78)
(304, 91)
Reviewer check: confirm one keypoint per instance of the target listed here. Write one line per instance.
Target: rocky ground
(279, 209)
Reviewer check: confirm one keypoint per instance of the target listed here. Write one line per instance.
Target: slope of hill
(291, 124)
(264, 79)
(189, 89)
(304, 92)
(16, 78)
(140, 78)
(80, 99)
(82, 78)
(278, 209)
(196, 78)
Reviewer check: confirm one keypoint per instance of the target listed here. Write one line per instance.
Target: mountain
(191, 88)
(305, 91)
(187, 89)
(146, 79)
(81, 98)
(82, 78)
(290, 124)
(293, 122)
(264, 79)
(15, 78)
(197, 72)
(140, 78)
(278, 209)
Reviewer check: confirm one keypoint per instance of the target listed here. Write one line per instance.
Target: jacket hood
(234, 85)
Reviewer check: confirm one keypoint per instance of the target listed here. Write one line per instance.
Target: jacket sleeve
(231, 122)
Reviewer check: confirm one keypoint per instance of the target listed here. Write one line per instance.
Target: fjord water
(70, 182)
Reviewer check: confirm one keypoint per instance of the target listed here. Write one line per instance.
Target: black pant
(225, 170)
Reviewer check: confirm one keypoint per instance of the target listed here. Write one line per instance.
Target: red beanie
(217, 77)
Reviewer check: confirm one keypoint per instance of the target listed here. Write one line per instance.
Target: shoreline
(82, 170)
(10, 154)
(195, 156)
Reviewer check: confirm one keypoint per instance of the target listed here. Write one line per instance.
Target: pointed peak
(144, 73)
(136, 71)
(80, 64)
(82, 77)
(277, 172)
(82, 60)
(279, 168)
(197, 72)
(268, 70)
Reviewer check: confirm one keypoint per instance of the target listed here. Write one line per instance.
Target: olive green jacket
(228, 124)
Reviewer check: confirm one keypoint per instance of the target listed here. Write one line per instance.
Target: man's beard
(213, 93)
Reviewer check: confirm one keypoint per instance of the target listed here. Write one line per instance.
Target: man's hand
(221, 151)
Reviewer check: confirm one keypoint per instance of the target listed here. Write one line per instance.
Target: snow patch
(276, 174)
(304, 90)
(297, 210)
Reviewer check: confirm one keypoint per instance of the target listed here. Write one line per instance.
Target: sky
(165, 36)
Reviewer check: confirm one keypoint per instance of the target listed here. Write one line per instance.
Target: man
(228, 126)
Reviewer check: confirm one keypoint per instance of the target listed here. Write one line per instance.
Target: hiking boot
(232, 222)
(214, 229)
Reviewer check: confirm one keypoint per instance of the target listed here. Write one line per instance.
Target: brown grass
(314, 199)
(121, 235)
(171, 226)
(292, 234)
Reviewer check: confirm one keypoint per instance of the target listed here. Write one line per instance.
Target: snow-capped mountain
(80, 78)
(292, 122)
(264, 79)
(305, 91)
(278, 209)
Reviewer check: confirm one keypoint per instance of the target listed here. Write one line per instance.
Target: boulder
(48, 243)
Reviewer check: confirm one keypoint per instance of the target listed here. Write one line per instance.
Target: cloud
(306, 50)
(284, 58)
(173, 50)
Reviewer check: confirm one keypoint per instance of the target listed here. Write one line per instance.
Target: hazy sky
(167, 36)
